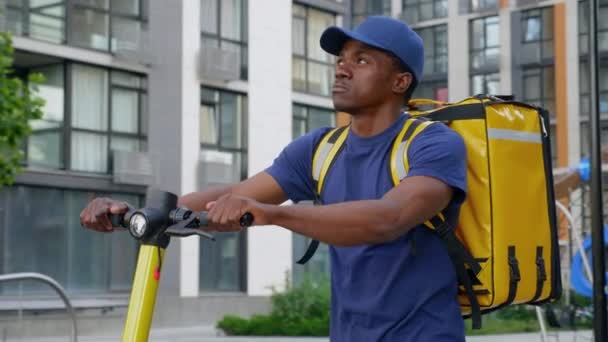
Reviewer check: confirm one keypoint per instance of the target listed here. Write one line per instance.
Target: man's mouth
(339, 88)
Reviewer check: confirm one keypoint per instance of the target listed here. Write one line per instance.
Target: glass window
(41, 222)
(435, 49)
(421, 10)
(224, 26)
(485, 84)
(307, 119)
(45, 147)
(313, 69)
(105, 106)
(435, 90)
(44, 20)
(485, 43)
(583, 26)
(482, 5)
(90, 28)
(223, 160)
(131, 7)
(538, 87)
(89, 22)
(537, 35)
(364, 8)
(90, 97)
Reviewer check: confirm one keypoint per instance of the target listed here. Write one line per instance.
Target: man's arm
(412, 202)
(261, 187)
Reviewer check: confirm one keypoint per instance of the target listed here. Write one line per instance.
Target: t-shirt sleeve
(292, 169)
(440, 152)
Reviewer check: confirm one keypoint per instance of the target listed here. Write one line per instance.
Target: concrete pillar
(269, 249)
(506, 73)
(174, 95)
(458, 52)
(572, 75)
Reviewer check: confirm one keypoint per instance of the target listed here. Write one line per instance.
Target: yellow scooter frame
(143, 294)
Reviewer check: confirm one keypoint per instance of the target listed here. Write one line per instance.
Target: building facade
(184, 95)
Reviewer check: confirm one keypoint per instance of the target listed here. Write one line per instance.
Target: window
(41, 232)
(39, 19)
(420, 10)
(223, 132)
(107, 112)
(585, 103)
(105, 116)
(485, 43)
(365, 8)
(537, 35)
(307, 119)
(435, 90)
(435, 40)
(583, 26)
(485, 55)
(482, 5)
(539, 89)
(224, 25)
(108, 25)
(45, 145)
(313, 68)
(485, 84)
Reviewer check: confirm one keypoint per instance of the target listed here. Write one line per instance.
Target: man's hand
(95, 215)
(225, 213)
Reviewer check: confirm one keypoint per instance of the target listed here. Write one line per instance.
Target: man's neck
(367, 123)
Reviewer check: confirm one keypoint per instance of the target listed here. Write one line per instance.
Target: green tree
(19, 103)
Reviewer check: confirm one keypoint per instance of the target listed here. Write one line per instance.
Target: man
(383, 286)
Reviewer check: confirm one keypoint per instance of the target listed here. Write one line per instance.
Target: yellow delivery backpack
(504, 248)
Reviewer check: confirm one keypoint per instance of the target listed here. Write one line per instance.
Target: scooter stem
(143, 294)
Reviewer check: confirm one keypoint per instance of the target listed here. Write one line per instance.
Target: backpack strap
(325, 154)
(465, 265)
(323, 157)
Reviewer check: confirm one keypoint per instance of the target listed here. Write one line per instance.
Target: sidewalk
(208, 334)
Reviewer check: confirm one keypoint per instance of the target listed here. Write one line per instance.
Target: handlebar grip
(118, 220)
(246, 220)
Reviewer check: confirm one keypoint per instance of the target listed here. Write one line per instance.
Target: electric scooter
(153, 226)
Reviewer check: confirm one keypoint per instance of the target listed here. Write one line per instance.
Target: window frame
(416, 7)
(243, 151)
(67, 129)
(307, 60)
(67, 19)
(243, 43)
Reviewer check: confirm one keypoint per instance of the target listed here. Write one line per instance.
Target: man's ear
(402, 82)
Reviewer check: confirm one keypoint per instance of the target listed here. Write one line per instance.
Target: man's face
(364, 78)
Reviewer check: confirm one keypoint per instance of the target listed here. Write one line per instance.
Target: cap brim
(333, 39)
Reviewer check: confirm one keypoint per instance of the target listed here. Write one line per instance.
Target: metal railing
(54, 285)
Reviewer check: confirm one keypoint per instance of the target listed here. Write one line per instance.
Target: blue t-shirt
(394, 291)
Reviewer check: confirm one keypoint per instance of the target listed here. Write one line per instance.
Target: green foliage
(18, 105)
(298, 311)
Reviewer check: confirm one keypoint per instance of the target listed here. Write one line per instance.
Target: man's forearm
(197, 201)
(344, 224)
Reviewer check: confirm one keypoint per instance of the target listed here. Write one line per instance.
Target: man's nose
(343, 71)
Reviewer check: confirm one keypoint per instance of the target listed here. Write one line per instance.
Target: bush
(298, 311)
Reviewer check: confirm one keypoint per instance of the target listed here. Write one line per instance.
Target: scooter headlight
(138, 225)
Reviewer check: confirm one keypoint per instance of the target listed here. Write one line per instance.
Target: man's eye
(361, 61)
(340, 62)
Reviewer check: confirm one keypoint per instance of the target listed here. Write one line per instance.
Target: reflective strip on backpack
(513, 135)
(325, 154)
(396, 160)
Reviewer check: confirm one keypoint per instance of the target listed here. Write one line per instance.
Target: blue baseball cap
(384, 33)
